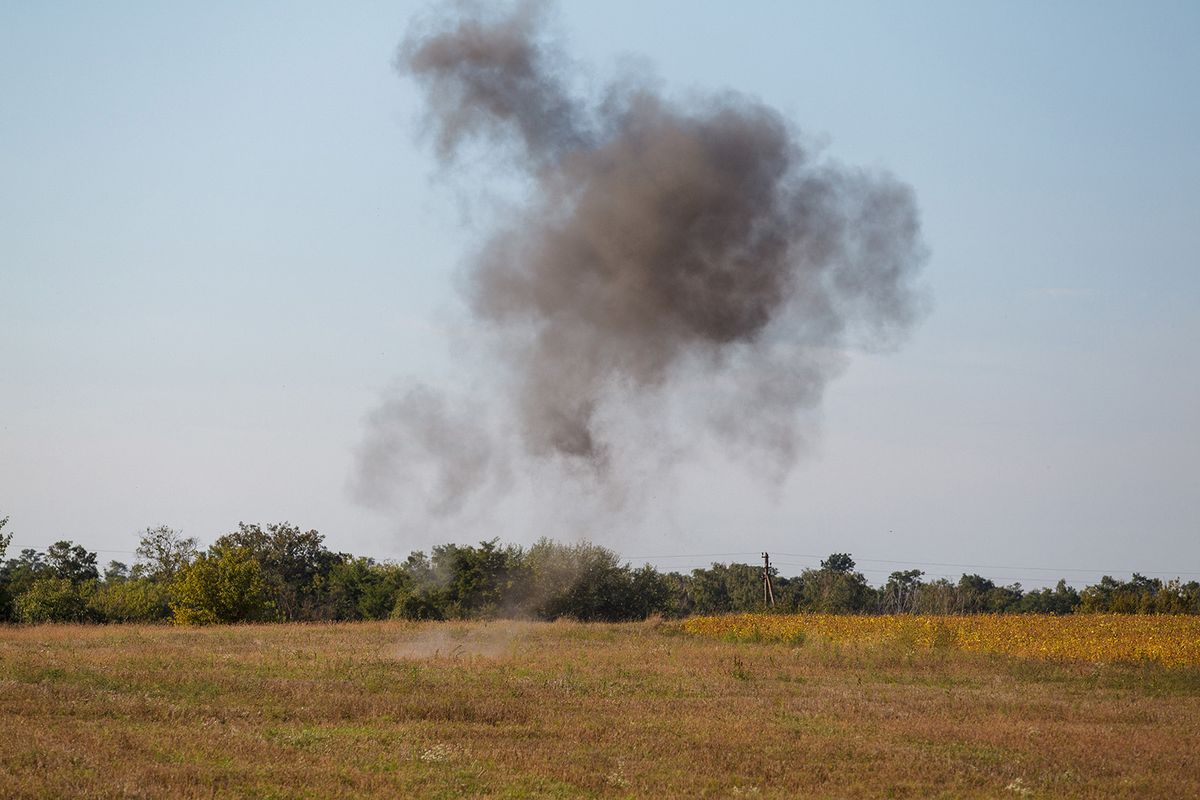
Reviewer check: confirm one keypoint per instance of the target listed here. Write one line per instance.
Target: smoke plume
(689, 252)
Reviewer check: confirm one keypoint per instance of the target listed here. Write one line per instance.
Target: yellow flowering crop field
(1172, 641)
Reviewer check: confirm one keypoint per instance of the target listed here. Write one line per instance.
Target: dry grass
(566, 710)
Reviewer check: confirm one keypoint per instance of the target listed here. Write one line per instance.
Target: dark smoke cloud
(666, 247)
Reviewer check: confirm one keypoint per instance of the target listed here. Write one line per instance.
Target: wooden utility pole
(768, 590)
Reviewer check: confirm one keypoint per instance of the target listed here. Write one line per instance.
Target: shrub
(52, 599)
(136, 600)
(224, 587)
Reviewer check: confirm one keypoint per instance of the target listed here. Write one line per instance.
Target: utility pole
(768, 590)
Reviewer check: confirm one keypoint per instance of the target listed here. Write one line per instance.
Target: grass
(568, 710)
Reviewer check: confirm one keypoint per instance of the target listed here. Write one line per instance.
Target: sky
(222, 239)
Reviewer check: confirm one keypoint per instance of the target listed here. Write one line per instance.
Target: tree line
(279, 572)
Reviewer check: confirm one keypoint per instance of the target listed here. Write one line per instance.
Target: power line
(1004, 566)
(1017, 578)
(89, 549)
(917, 563)
(689, 555)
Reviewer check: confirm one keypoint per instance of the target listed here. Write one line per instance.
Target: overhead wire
(917, 563)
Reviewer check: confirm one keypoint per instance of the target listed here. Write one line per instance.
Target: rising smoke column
(663, 241)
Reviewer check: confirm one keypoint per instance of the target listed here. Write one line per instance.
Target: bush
(52, 599)
(136, 600)
(360, 588)
(294, 565)
(588, 583)
(420, 603)
(224, 587)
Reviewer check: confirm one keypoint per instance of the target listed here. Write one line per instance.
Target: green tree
(165, 551)
(5, 594)
(937, 597)
(1004, 599)
(361, 588)
(421, 602)
(651, 594)
(131, 600)
(295, 566)
(838, 564)
(588, 583)
(976, 595)
(5, 538)
(71, 561)
(901, 591)
(789, 593)
(1177, 597)
(475, 581)
(220, 587)
(1062, 599)
(1138, 595)
(836, 588)
(16, 576)
(116, 571)
(33, 589)
(55, 599)
(723, 588)
(425, 595)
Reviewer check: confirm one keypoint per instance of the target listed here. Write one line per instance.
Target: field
(569, 710)
(1172, 641)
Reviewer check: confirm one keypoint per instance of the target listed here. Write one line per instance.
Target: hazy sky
(221, 240)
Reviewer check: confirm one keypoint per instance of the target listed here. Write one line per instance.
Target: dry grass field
(570, 710)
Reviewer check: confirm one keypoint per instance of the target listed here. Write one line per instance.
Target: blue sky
(221, 239)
